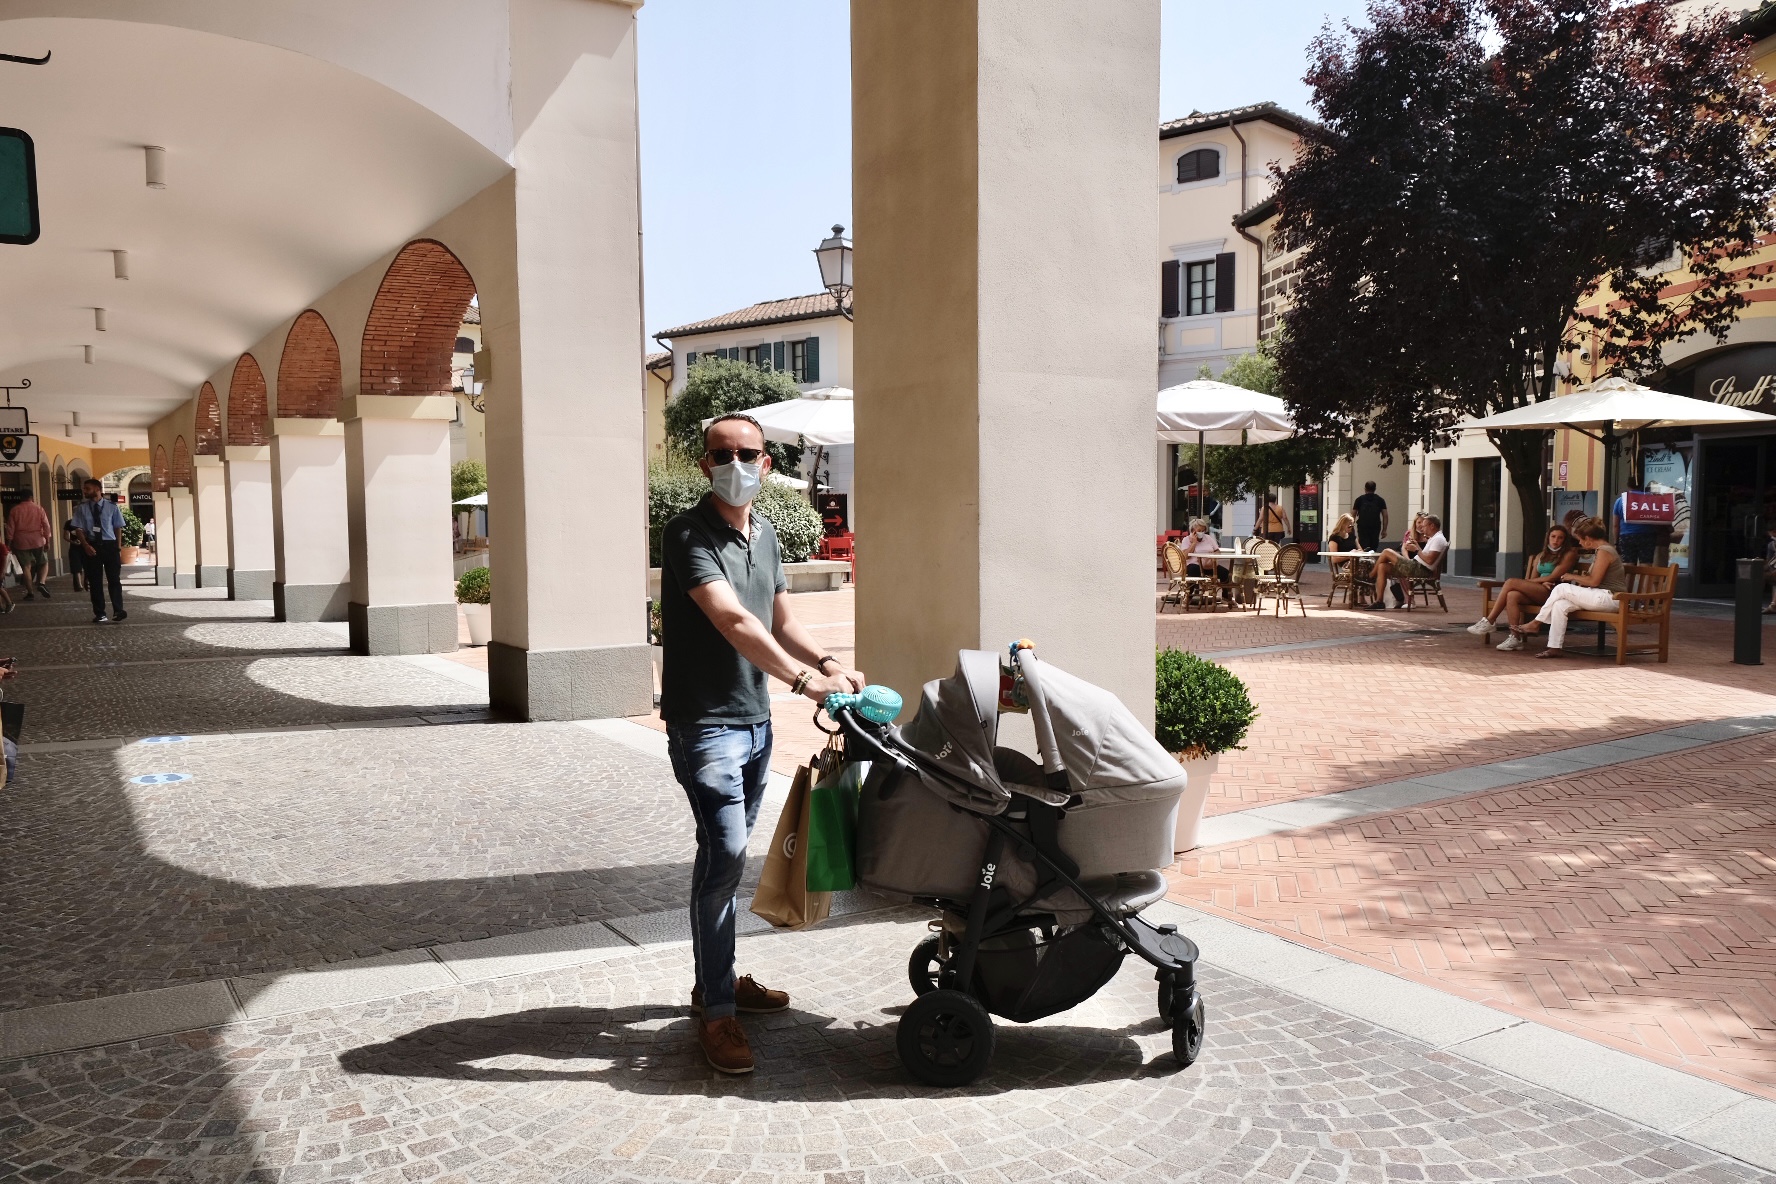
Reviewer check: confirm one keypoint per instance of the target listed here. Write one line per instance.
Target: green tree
(717, 386)
(467, 478)
(675, 485)
(1237, 471)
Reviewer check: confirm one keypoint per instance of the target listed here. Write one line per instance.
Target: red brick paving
(1634, 905)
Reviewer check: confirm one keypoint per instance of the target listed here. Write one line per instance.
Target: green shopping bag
(832, 829)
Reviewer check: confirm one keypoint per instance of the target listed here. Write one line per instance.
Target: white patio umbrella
(1220, 413)
(475, 499)
(1609, 407)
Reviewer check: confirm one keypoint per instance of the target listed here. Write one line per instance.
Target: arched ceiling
(285, 175)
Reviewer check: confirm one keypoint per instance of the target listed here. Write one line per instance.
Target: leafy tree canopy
(716, 386)
(1482, 167)
(467, 478)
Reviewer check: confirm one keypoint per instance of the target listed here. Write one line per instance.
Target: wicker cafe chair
(1177, 583)
(1261, 556)
(1283, 581)
(1354, 578)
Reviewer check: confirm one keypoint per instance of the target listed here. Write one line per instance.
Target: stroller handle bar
(1024, 654)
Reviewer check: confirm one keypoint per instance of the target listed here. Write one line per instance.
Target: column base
(212, 577)
(185, 579)
(310, 602)
(164, 577)
(599, 682)
(402, 628)
(250, 585)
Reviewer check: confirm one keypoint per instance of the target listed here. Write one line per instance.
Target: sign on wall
(1744, 377)
(17, 448)
(18, 188)
(15, 420)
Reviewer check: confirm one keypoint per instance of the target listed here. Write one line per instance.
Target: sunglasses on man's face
(726, 456)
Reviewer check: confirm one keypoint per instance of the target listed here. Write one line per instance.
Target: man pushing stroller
(726, 627)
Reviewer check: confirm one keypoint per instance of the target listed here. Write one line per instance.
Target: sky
(746, 128)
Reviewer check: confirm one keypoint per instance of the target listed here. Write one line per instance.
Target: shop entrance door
(1731, 510)
(1483, 523)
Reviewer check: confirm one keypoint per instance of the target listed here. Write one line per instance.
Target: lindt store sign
(1740, 378)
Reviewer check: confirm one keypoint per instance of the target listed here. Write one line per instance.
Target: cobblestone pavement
(289, 850)
(591, 1075)
(1632, 904)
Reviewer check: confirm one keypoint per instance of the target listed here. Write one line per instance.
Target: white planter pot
(1190, 806)
(480, 618)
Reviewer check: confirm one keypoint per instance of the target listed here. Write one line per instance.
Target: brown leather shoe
(724, 1045)
(748, 997)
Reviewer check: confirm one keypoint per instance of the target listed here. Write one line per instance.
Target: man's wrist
(820, 662)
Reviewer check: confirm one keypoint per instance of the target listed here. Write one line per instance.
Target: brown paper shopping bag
(782, 897)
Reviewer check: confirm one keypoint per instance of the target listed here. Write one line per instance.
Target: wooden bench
(1647, 602)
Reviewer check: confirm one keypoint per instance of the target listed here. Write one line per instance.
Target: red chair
(839, 548)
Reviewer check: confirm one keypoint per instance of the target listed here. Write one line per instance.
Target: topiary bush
(475, 586)
(674, 486)
(132, 528)
(467, 478)
(798, 524)
(1199, 708)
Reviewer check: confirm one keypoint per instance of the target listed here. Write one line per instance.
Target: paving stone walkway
(589, 1075)
(1632, 904)
(363, 845)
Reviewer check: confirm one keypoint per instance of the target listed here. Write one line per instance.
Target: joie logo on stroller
(1036, 899)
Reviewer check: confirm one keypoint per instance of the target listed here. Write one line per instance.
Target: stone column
(210, 494)
(311, 530)
(165, 549)
(397, 474)
(249, 521)
(184, 537)
(564, 409)
(1002, 158)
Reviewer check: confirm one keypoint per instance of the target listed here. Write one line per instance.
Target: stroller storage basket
(1023, 978)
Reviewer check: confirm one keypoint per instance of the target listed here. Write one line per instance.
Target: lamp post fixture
(834, 257)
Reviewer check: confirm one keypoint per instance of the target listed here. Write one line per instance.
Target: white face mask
(736, 482)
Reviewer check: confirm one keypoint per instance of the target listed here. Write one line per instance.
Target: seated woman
(1344, 535)
(1200, 541)
(1594, 589)
(1559, 555)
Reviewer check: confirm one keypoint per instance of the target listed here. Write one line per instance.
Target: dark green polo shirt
(706, 681)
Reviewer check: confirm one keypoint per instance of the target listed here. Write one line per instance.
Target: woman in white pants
(1595, 589)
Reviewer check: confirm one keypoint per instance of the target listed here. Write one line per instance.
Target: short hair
(1436, 522)
(1368, 487)
(1196, 522)
(93, 481)
(740, 415)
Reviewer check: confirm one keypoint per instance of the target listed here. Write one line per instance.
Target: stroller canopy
(1109, 756)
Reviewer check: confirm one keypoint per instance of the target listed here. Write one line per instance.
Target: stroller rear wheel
(1187, 1031)
(924, 964)
(945, 1038)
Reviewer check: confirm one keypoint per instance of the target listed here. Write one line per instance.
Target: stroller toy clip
(1038, 871)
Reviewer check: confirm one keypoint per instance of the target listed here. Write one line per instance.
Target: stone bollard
(1748, 608)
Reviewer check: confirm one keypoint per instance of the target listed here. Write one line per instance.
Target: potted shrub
(130, 549)
(1200, 710)
(474, 591)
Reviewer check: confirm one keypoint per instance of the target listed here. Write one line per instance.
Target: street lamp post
(834, 257)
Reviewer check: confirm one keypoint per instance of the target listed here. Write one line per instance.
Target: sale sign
(1660, 508)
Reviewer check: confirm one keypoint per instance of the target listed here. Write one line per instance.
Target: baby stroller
(1037, 872)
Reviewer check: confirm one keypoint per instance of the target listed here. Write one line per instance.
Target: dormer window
(1202, 164)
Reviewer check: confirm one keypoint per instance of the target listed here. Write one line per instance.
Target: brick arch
(310, 384)
(181, 471)
(160, 470)
(246, 404)
(209, 422)
(414, 322)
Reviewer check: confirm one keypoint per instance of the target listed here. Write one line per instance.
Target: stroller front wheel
(945, 1038)
(924, 964)
(1187, 1031)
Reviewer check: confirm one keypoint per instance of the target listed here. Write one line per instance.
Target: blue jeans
(724, 771)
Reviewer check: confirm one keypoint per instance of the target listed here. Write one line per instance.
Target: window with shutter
(1203, 164)
(1169, 275)
(690, 358)
(1224, 282)
(813, 366)
(777, 356)
(1199, 288)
